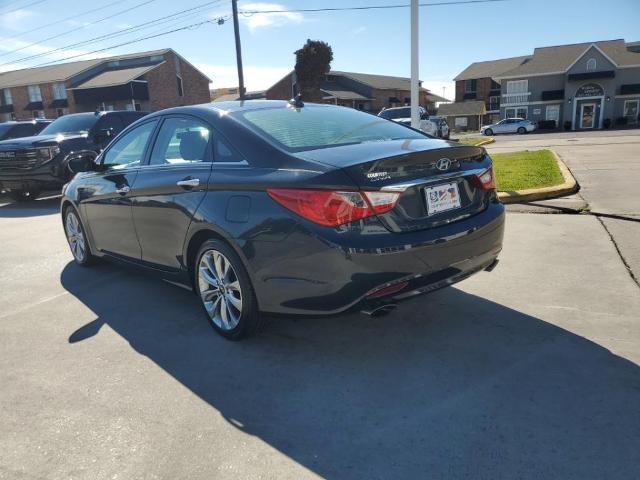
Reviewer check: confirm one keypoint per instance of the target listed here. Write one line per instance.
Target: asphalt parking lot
(531, 371)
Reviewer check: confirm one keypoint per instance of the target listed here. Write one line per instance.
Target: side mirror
(103, 135)
(83, 161)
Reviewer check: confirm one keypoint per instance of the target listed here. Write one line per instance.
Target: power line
(218, 20)
(368, 7)
(66, 19)
(23, 6)
(183, 14)
(67, 32)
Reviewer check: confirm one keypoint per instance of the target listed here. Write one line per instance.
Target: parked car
(403, 115)
(272, 206)
(31, 164)
(19, 129)
(441, 125)
(509, 125)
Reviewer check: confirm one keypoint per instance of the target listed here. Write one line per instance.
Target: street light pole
(236, 29)
(415, 99)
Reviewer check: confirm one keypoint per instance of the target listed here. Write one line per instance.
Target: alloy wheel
(220, 290)
(75, 237)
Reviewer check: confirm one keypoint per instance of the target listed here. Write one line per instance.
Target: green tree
(313, 62)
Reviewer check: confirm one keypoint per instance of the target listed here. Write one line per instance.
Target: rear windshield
(78, 123)
(313, 127)
(391, 113)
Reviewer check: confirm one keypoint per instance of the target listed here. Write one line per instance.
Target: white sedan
(509, 125)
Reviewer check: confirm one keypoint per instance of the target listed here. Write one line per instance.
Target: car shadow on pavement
(35, 208)
(450, 385)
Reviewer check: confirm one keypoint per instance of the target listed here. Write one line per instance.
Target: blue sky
(373, 41)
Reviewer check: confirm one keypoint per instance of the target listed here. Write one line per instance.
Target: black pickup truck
(31, 164)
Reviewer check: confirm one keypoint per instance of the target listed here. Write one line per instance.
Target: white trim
(624, 108)
(546, 113)
(539, 102)
(593, 114)
(585, 52)
(575, 104)
(529, 75)
(628, 95)
(630, 66)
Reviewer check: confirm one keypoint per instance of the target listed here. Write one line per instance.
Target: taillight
(333, 207)
(486, 180)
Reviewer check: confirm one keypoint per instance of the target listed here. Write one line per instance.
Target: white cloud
(255, 77)
(14, 21)
(436, 87)
(278, 18)
(358, 31)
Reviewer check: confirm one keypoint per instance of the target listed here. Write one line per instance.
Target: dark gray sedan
(273, 206)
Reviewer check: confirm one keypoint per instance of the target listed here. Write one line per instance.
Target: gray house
(585, 86)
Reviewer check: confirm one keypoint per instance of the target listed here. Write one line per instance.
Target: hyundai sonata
(280, 207)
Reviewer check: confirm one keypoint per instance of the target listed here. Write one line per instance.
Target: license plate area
(442, 198)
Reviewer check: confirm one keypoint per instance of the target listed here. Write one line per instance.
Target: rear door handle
(189, 183)
(123, 190)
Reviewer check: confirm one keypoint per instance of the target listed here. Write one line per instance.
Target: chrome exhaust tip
(379, 310)
(492, 265)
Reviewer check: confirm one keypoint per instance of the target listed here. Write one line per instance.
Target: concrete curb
(569, 186)
(486, 142)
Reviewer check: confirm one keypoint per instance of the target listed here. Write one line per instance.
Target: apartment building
(146, 81)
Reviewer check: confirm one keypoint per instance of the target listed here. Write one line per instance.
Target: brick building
(477, 83)
(362, 91)
(146, 81)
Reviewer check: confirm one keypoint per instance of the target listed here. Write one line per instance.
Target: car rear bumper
(312, 274)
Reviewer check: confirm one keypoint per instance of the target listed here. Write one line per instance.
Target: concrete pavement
(531, 371)
(607, 166)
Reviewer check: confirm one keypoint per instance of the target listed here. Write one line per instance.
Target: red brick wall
(163, 86)
(282, 90)
(460, 91)
(483, 87)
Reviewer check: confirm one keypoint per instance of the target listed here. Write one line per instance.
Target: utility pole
(236, 28)
(415, 98)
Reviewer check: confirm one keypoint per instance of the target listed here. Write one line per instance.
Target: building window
(34, 93)
(133, 106)
(38, 114)
(494, 103)
(59, 91)
(470, 86)
(631, 110)
(553, 113)
(518, 86)
(591, 64)
(180, 87)
(61, 112)
(495, 85)
(516, 112)
(6, 97)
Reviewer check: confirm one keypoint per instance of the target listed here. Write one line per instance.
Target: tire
(77, 238)
(24, 195)
(233, 310)
(488, 132)
(522, 130)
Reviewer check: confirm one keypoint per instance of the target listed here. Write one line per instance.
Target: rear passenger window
(112, 122)
(21, 131)
(224, 153)
(181, 141)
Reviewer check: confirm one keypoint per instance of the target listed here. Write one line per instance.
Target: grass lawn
(523, 170)
(473, 140)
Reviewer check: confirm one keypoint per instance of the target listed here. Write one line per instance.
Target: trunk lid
(410, 167)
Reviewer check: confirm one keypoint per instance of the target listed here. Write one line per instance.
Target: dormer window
(591, 65)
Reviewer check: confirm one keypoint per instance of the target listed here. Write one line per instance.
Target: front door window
(587, 115)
